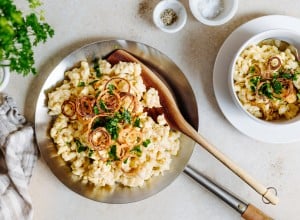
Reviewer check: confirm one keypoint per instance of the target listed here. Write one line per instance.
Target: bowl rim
(164, 4)
(254, 40)
(213, 21)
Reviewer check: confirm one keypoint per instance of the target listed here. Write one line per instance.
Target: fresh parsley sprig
(19, 33)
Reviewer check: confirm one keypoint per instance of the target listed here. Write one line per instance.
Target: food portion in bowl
(266, 81)
(109, 127)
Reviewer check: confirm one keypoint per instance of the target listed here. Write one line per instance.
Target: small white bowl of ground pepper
(170, 16)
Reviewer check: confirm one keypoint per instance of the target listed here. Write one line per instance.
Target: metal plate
(184, 97)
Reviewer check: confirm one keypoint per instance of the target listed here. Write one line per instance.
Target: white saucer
(290, 133)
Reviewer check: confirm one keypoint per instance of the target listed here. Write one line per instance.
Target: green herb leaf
(287, 75)
(126, 116)
(137, 123)
(254, 82)
(137, 150)
(112, 127)
(97, 68)
(295, 76)
(81, 84)
(103, 105)
(91, 152)
(252, 69)
(80, 146)
(111, 88)
(96, 110)
(146, 142)
(277, 86)
(113, 153)
(265, 89)
(19, 33)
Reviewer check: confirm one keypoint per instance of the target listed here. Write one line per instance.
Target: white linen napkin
(18, 154)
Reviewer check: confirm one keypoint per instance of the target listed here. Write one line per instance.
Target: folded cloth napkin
(18, 154)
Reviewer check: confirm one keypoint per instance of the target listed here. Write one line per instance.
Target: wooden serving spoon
(177, 122)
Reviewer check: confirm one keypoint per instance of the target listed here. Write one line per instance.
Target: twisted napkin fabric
(18, 155)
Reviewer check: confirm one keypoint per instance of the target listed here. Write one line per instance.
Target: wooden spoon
(177, 122)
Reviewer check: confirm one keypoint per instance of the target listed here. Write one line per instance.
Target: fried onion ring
(110, 100)
(68, 108)
(84, 106)
(99, 139)
(119, 84)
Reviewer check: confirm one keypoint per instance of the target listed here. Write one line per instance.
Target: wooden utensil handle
(262, 190)
(253, 213)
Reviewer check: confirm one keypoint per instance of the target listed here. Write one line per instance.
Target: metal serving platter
(160, 64)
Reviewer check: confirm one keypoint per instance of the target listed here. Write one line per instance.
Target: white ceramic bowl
(281, 34)
(199, 7)
(178, 9)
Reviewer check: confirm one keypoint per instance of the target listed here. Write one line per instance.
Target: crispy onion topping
(118, 83)
(123, 151)
(108, 101)
(97, 119)
(130, 136)
(128, 101)
(68, 108)
(84, 106)
(274, 63)
(99, 139)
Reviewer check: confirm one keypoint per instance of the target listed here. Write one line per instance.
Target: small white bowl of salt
(213, 12)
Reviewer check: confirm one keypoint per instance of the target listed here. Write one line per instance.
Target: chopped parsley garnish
(126, 116)
(80, 146)
(146, 142)
(287, 75)
(112, 127)
(266, 90)
(254, 82)
(96, 110)
(97, 68)
(252, 69)
(113, 153)
(111, 88)
(111, 123)
(91, 152)
(277, 86)
(103, 106)
(81, 84)
(125, 161)
(137, 150)
(137, 123)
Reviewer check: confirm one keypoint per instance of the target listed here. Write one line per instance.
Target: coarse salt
(210, 8)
